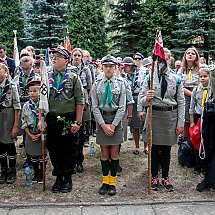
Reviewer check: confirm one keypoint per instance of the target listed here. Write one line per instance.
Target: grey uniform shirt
(196, 100)
(23, 92)
(171, 97)
(118, 102)
(12, 96)
(85, 75)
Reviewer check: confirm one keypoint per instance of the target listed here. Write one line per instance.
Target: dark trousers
(62, 148)
(160, 156)
(80, 155)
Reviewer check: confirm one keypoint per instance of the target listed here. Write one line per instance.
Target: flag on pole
(158, 53)
(15, 50)
(67, 43)
(44, 89)
(47, 58)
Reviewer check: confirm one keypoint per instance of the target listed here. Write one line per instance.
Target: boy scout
(9, 117)
(66, 103)
(108, 104)
(168, 105)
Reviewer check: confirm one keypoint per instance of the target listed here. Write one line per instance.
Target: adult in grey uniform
(168, 105)
(9, 117)
(108, 104)
(86, 79)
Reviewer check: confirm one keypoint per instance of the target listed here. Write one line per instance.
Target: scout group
(101, 99)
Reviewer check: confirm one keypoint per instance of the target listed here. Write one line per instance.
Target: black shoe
(57, 185)
(104, 189)
(202, 186)
(119, 168)
(112, 190)
(3, 175)
(11, 176)
(79, 168)
(67, 185)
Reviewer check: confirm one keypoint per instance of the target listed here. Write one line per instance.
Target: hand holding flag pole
(159, 56)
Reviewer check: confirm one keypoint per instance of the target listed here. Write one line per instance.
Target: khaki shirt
(171, 97)
(12, 96)
(118, 103)
(71, 95)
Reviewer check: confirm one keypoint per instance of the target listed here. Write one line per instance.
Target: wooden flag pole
(150, 130)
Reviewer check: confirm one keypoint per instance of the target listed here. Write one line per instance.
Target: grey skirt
(33, 148)
(6, 125)
(163, 127)
(116, 139)
(135, 122)
(187, 107)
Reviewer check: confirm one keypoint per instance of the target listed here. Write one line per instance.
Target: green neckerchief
(24, 80)
(35, 116)
(0, 92)
(58, 80)
(107, 95)
(132, 79)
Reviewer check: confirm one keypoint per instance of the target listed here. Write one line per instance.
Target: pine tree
(155, 14)
(196, 27)
(124, 27)
(45, 22)
(10, 13)
(86, 26)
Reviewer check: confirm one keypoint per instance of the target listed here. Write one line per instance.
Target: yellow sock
(105, 179)
(112, 180)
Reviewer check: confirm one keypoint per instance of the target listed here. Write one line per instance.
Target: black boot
(57, 185)
(67, 184)
(11, 176)
(202, 186)
(3, 175)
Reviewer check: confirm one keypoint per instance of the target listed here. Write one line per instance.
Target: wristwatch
(78, 123)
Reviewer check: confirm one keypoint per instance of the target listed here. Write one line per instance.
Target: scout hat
(128, 61)
(33, 83)
(61, 50)
(146, 62)
(108, 59)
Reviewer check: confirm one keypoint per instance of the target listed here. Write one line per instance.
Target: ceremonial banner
(15, 50)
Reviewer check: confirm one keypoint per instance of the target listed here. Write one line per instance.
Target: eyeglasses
(137, 58)
(57, 56)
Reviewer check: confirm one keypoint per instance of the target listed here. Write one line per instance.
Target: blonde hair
(27, 59)
(79, 50)
(2, 65)
(205, 69)
(196, 62)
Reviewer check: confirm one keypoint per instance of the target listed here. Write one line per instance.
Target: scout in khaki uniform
(9, 118)
(168, 105)
(30, 117)
(66, 103)
(108, 104)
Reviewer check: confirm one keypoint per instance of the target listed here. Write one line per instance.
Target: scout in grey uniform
(30, 117)
(190, 78)
(9, 117)
(66, 103)
(197, 103)
(168, 105)
(135, 78)
(108, 104)
(86, 79)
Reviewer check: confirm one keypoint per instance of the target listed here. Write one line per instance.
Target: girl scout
(108, 104)
(167, 119)
(9, 117)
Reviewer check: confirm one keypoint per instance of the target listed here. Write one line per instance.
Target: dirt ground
(131, 183)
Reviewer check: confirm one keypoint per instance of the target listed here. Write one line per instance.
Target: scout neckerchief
(57, 86)
(3, 91)
(163, 85)
(24, 80)
(34, 109)
(204, 96)
(190, 75)
(107, 95)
